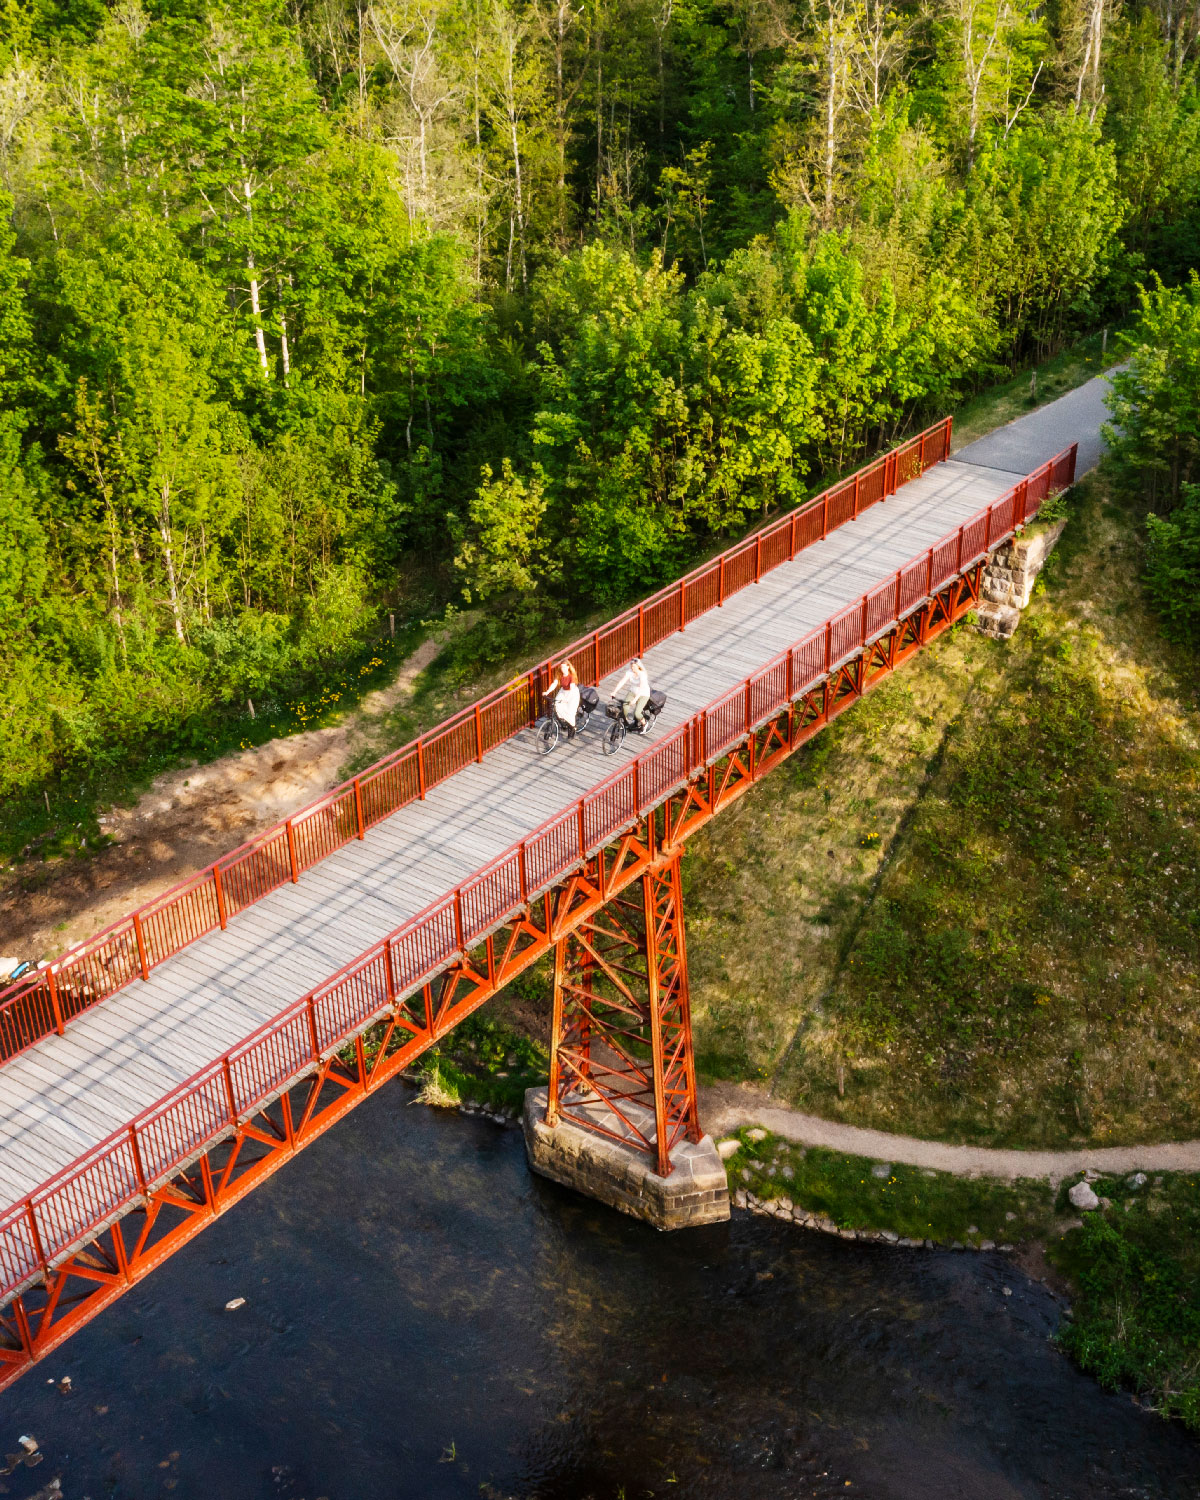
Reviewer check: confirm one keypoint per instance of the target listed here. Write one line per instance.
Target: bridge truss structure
(598, 885)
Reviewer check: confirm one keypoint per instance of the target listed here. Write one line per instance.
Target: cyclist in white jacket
(633, 693)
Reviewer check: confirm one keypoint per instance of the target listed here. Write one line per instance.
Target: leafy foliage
(300, 307)
(1136, 1320)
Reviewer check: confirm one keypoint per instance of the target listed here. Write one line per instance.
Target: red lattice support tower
(622, 1028)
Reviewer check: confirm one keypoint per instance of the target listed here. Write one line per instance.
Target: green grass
(1135, 1321)
(486, 1062)
(971, 909)
(914, 1202)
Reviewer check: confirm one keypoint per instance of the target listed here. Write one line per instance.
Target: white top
(635, 678)
(566, 703)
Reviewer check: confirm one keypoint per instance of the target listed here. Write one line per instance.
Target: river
(425, 1319)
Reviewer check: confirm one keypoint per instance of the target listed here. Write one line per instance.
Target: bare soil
(186, 819)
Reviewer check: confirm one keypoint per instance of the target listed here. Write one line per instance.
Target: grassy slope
(976, 896)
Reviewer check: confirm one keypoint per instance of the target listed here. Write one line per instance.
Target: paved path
(725, 1108)
(1030, 440)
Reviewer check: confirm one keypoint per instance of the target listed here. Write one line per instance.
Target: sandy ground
(184, 821)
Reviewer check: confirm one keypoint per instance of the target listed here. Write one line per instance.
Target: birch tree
(995, 49)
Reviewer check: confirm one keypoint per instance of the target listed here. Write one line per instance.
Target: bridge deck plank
(68, 1092)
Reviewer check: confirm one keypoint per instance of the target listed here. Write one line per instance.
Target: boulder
(1083, 1198)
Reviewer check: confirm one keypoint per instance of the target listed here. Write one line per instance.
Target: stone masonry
(1009, 577)
(697, 1191)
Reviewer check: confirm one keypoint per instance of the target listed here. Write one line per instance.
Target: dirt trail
(184, 821)
(728, 1107)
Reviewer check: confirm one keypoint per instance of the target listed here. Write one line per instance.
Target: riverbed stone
(728, 1148)
(696, 1192)
(882, 1170)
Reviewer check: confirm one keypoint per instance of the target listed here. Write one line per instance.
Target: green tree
(1154, 438)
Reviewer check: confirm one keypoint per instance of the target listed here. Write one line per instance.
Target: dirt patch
(188, 818)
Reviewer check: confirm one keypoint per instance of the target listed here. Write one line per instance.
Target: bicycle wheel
(584, 719)
(547, 735)
(614, 735)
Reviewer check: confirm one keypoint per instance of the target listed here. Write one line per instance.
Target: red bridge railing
(132, 946)
(102, 1184)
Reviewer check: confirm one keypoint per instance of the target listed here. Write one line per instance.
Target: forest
(310, 312)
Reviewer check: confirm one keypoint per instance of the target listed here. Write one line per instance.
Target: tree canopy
(317, 310)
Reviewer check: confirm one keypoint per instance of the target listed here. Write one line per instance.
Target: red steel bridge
(154, 1075)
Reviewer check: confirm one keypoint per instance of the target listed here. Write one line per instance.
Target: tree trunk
(164, 531)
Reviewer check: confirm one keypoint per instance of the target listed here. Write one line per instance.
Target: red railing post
(52, 986)
(862, 627)
(389, 976)
(824, 515)
(358, 812)
(641, 638)
(581, 829)
(220, 890)
(421, 769)
(310, 1011)
(291, 841)
(748, 710)
(855, 513)
(758, 558)
(521, 873)
(137, 1163)
(637, 789)
(458, 923)
(229, 1099)
(949, 432)
(958, 557)
(141, 944)
(828, 643)
(929, 575)
(682, 603)
(721, 584)
(35, 1233)
(792, 543)
(596, 655)
(478, 735)
(896, 611)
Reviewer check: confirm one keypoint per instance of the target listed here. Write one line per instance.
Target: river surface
(426, 1319)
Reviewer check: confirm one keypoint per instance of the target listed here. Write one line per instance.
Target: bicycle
(549, 728)
(614, 735)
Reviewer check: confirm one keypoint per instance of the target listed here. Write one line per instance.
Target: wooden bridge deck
(67, 1093)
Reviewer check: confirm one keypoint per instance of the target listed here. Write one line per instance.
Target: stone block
(997, 620)
(616, 1173)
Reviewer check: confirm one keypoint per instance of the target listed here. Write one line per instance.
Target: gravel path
(727, 1107)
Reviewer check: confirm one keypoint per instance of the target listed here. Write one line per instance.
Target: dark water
(425, 1319)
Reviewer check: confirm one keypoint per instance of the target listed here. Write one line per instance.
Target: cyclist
(565, 692)
(633, 693)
